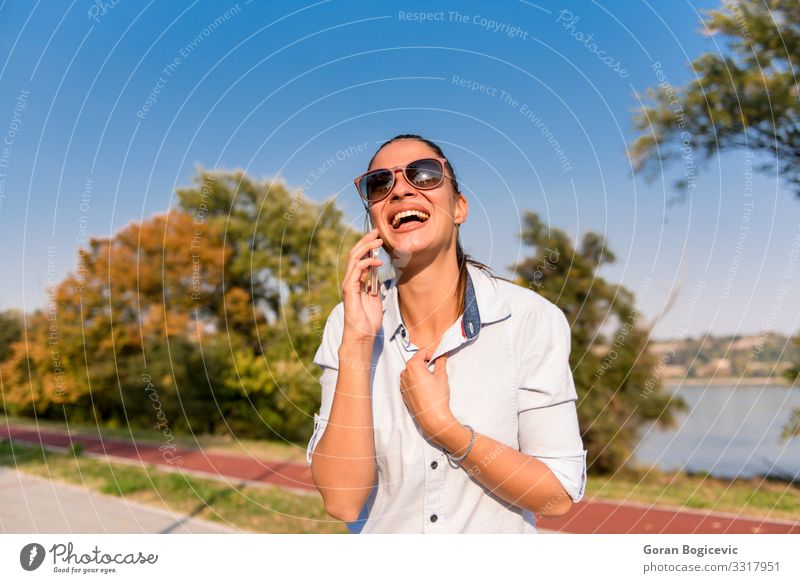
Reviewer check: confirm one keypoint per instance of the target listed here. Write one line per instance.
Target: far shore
(728, 381)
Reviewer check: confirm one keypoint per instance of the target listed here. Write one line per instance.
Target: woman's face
(415, 240)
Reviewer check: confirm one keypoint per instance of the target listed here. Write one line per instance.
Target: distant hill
(704, 357)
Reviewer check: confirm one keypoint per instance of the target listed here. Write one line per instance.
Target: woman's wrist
(357, 340)
(454, 437)
(355, 352)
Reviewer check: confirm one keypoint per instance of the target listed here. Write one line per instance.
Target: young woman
(448, 403)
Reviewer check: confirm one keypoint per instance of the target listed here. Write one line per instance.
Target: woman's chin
(413, 254)
(410, 243)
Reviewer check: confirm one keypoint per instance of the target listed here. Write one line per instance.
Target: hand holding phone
(363, 311)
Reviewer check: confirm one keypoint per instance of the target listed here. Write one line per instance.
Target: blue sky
(279, 88)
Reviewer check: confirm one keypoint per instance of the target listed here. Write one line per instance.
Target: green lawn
(749, 498)
(257, 509)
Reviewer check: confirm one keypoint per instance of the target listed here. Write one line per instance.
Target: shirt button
(434, 518)
(434, 465)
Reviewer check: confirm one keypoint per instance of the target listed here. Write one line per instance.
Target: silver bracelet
(469, 448)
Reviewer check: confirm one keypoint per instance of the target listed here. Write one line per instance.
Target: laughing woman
(448, 403)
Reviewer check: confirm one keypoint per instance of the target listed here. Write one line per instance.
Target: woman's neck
(428, 300)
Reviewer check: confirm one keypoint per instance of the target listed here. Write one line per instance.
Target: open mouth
(410, 219)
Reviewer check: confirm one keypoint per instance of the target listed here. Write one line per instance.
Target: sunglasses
(424, 174)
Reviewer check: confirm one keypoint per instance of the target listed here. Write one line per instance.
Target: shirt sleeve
(548, 419)
(327, 358)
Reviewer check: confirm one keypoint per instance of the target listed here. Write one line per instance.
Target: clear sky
(109, 106)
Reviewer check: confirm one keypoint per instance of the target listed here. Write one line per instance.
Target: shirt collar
(484, 304)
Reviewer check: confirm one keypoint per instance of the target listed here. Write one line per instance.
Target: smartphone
(377, 274)
(373, 273)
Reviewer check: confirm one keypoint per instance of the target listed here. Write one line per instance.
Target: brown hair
(461, 257)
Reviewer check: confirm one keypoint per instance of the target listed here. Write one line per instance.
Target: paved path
(612, 517)
(588, 516)
(29, 504)
(242, 468)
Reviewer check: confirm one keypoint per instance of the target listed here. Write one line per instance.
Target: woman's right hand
(363, 312)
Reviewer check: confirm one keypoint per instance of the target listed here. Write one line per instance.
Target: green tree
(745, 98)
(10, 331)
(792, 427)
(283, 273)
(617, 379)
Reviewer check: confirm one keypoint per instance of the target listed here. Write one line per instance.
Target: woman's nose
(401, 187)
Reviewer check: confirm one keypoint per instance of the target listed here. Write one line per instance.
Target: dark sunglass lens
(425, 173)
(376, 184)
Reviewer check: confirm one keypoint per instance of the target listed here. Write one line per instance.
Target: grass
(257, 509)
(771, 499)
(752, 498)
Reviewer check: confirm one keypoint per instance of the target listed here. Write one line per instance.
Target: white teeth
(399, 216)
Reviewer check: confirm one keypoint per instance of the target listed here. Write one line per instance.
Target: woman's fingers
(357, 254)
(365, 243)
(359, 270)
(420, 359)
(440, 365)
(423, 357)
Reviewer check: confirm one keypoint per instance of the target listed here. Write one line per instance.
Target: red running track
(587, 516)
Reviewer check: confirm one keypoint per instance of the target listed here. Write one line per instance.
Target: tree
(10, 331)
(133, 309)
(747, 98)
(285, 251)
(616, 378)
(792, 427)
(212, 312)
(283, 274)
(35, 373)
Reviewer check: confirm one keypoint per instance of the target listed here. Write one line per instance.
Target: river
(728, 432)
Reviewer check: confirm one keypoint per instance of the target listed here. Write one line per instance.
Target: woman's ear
(462, 209)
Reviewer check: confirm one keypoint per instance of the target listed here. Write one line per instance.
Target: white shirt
(510, 379)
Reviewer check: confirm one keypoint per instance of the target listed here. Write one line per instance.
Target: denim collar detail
(484, 304)
(471, 322)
